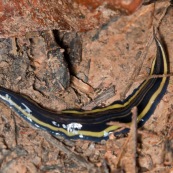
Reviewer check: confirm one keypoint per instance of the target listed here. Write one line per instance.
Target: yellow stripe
(126, 103)
(55, 129)
(152, 99)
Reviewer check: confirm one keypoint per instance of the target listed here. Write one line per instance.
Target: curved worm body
(92, 125)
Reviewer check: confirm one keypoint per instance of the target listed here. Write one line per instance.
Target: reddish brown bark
(128, 6)
(20, 16)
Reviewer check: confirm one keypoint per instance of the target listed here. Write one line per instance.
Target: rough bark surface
(19, 17)
(65, 70)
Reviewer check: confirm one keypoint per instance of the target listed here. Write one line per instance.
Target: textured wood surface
(19, 16)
